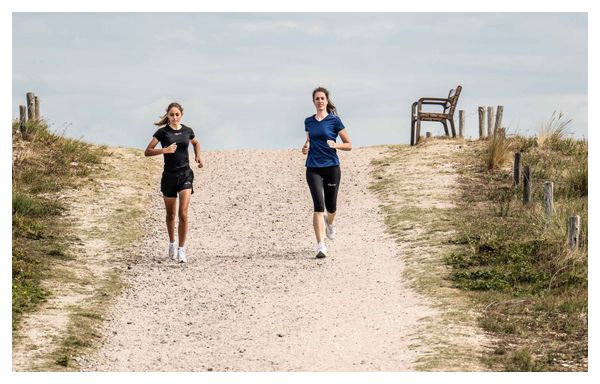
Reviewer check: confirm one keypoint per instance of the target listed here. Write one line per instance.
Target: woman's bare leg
(330, 217)
(184, 204)
(319, 226)
(171, 206)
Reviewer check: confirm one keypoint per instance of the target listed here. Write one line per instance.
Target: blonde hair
(165, 119)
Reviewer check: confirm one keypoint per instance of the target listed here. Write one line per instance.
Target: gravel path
(252, 297)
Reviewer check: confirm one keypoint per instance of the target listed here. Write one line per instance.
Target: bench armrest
(417, 106)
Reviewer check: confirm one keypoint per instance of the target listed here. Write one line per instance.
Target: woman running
(177, 177)
(323, 165)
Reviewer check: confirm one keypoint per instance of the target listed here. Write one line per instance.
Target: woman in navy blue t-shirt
(323, 165)
(177, 177)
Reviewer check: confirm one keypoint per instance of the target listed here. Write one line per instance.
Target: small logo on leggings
(331, 185)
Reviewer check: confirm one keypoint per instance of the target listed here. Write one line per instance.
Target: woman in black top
(177, 177)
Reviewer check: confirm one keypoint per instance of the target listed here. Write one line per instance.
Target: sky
(245, 79)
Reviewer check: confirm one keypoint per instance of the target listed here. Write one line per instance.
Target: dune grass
(499, 150)
(515, 262)
(511, 262)
(43, 164)
(554, 130)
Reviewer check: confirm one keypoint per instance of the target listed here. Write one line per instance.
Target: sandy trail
(252, 297)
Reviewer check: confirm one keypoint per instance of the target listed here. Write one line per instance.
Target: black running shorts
(172, 183)
(323, 184)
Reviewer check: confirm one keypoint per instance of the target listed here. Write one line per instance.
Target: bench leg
(412, 131)
(418, 132)
(452, 126)
(445, 127)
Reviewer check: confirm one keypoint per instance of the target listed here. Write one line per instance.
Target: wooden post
(526, 185)
(574, 227)
(481, 111)
(461, 123)
(490, 121)
(548, 199)
(412, 130)
(499, 112)
(22, 118)
(30, 106)
(36, 108)
(517, 169)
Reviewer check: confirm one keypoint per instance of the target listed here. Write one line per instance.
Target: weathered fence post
(499, 112)
(461, 123)
(30, 106)
(526, 184)
(481, 111)
(36, 108)
(517, 169)
(22, 118)
(548, 199)
(574, 226)
(490, 121)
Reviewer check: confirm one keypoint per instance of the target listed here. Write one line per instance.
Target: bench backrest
(453, 97)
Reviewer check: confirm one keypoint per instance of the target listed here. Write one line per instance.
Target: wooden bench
(446, 115)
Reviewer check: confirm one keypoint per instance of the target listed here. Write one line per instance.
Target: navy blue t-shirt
(319, 153)
(180, 159)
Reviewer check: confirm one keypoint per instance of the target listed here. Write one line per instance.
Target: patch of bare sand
(422, 193)
(253, 298)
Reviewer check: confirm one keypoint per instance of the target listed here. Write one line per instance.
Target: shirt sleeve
(338, 125)
(159, 135)
(192, 135)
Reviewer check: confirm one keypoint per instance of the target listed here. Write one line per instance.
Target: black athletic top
(180, 159)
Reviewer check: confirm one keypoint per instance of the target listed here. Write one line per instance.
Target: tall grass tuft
(499, 150)
(553, 130)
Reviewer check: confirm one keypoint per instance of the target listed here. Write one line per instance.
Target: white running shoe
(181, 255)
(329, 228)
(172, 249)
(321, 251)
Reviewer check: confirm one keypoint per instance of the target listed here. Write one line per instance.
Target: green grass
(516, 262)
(509, 260)
(43, 164)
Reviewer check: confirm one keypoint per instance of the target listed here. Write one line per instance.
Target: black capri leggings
(324, 181)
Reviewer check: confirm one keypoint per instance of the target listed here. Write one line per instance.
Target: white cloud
(245, 79)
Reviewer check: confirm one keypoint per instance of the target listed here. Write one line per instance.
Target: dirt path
(252, 297)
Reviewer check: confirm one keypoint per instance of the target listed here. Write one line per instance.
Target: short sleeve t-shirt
(180, 159)
(320, 154)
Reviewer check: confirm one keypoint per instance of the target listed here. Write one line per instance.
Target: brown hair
(330, 107)
(165, 119)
